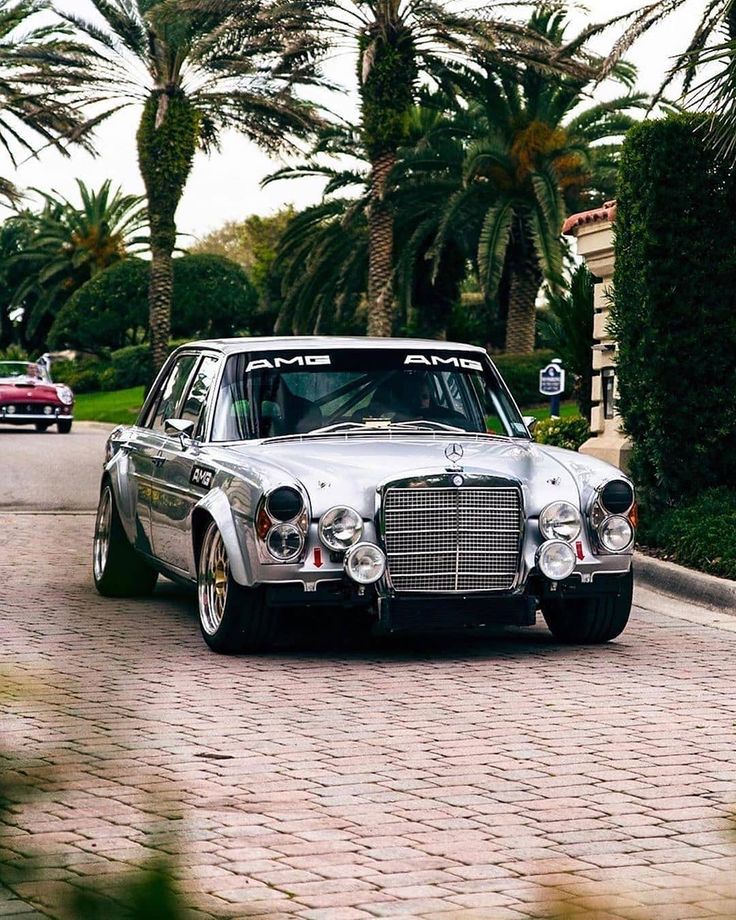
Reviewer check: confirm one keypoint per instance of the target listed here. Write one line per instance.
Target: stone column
(594, 233)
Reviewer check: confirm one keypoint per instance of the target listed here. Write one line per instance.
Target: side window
(172, 390)
(193, 408)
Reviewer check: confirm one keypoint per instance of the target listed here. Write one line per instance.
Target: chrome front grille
(452, 539)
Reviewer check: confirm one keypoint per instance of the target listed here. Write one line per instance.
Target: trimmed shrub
(212, 297)
(14, 353)
(521, 373)
(109, 311)
(82, 379)
(132, 366)
(675, 303)
(700, 533)
(569, 433)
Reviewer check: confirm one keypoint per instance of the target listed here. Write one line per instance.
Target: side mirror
(530, 422)
(184, 428)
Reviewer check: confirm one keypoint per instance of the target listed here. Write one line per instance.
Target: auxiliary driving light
(365, 563)
(560, 521)
(340, 528)
(556, 560)
(616, 533)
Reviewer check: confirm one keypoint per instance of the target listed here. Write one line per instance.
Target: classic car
(394, 478)
(28, 396)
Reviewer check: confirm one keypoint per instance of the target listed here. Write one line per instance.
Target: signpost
(552, 384)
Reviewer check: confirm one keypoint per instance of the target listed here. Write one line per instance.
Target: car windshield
(23, 370)
(275, 394)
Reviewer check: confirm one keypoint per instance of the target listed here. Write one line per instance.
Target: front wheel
(232, 618)
(117, 568)
(64, 425)
(593, 620)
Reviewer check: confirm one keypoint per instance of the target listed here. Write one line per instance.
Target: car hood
(39, 392)
(347, 470)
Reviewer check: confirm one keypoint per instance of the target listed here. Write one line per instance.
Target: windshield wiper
(419, 423)
(341, 426)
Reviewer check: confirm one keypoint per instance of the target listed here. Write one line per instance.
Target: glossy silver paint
(164, 515)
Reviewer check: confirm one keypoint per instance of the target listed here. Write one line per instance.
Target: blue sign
(552, 380)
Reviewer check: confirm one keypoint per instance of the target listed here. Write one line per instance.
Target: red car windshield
(270, 395)
(18, 370)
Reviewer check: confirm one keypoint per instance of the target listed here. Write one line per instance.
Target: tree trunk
(160, 288)
(167, 139)
(526, 279)
(381, 250)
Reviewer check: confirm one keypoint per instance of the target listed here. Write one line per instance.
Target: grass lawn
(117, 406)
(567, 410)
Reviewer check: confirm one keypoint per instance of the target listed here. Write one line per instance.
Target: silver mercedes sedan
(392, 478)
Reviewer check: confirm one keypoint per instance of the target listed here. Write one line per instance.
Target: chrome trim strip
(9, 416)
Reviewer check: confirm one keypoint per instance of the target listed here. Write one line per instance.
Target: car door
(182, 475)
(141, 451)
(144, 447)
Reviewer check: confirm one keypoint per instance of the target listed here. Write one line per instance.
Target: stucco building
(594, 233)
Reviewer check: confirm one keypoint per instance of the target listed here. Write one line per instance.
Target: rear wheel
(232, 618)
(118, 570)
(591, 621)
(42, 426)
(64, 425)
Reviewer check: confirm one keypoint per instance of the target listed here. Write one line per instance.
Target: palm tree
(69, 244)
(322, 256)
(529, 156)
(197, 67)
(713, 43)
(397, 40)
(35, 103)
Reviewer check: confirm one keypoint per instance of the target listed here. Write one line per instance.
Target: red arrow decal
(317, 557)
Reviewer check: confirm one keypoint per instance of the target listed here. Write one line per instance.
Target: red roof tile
(607, 212)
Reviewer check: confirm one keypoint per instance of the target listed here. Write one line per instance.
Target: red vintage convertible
(29, 397)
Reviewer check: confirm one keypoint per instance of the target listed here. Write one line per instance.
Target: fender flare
(215, 506)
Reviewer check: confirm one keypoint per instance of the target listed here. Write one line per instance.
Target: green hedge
(126, 367)
(521, 373)
(570, 433)
(700, 533)
(675, 303)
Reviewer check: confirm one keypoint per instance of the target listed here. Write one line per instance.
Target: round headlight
(560, 521)
(616, 533)
(284, 542)
(556, 560)
(365, 563)
(340, 528)
(65, 395)
(617, 496)
(284, 504)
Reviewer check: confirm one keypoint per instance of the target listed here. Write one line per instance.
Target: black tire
(118, 570)
(232, 618)
(64, 425)
(42, 426)
(591, 621)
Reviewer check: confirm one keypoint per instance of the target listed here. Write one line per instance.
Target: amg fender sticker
(202, 476)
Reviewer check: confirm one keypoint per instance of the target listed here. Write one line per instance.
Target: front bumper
(23, 418)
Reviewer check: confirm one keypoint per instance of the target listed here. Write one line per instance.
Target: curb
(678, 581)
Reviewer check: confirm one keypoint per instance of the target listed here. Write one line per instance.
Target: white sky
(225, 185)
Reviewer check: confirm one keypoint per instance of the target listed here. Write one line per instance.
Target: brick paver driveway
(475, 777)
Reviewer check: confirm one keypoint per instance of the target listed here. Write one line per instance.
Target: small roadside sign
(552, 380)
